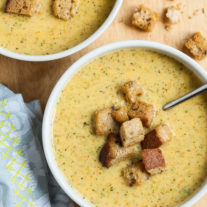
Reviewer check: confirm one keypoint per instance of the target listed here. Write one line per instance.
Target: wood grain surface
(36, 80)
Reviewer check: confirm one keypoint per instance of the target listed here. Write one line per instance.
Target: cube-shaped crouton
(23, 7)
(172, 15)
(153, 161)
(197, 46)
(144, 111)
(104, 122)
(121, 114)
(131, 132)
(135, 174)
(144, 18)
(112, 152)
(157, 137)
(65, 9)
(74, 7)
(131, 90)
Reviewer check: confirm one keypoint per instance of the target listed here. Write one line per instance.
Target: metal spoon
(193, 93)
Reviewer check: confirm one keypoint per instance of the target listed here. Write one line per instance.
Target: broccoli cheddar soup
(97, 86)
(43, 33)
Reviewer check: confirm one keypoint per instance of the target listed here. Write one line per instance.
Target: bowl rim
(70, 72)
(76, 48)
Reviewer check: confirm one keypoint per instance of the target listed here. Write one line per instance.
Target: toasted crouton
(153, 160)
(112, 152)
(121, 114)
(74, 7)
(157, 137)
(144, 111)
(172, 15)
(104, 123)
(197, 46)
(65, 9)
(131, 132)
(131, 90)
(23, 7)
(144, 18)
(135, 174)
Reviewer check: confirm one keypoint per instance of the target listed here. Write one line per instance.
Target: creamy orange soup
(76, 147)
(45, 34)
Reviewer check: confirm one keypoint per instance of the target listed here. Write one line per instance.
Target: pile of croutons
(63, 9)
(124, 128)
(145, 19)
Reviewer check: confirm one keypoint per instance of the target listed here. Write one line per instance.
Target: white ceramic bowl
(50, 108)
(85, 43)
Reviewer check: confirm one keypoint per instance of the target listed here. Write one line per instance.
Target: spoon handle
(196, 92)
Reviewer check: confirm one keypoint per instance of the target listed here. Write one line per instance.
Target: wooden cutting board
(36, 80)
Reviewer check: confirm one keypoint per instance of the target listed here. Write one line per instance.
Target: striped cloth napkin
(24, 177)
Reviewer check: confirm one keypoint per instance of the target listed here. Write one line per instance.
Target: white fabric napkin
(24, 177)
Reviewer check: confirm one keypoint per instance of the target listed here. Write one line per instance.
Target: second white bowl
(50, 108)
(85, 43)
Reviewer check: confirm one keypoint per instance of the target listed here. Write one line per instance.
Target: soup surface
(95, 87)
(45, 34)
